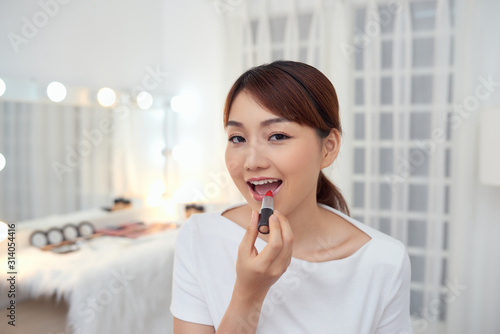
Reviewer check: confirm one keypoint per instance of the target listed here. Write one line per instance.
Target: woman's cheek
(232, 163)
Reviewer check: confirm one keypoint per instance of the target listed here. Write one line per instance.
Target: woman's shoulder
(382, 248)
(210, 223)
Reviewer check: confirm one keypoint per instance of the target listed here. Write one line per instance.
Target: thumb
(248, 241)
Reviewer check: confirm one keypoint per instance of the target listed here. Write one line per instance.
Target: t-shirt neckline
(263, 243)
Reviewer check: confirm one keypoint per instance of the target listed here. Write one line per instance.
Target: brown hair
(302, 94)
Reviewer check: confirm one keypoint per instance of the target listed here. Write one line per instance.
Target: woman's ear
(330, 148)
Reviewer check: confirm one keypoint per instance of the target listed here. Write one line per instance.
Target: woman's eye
(236, 139)
(278, 136)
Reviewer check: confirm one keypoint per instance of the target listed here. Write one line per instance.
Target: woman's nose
(256, 159)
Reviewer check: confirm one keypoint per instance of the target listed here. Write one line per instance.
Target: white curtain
(474, 246)
(62, 158)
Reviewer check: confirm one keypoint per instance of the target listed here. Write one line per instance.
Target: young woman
(318, 270)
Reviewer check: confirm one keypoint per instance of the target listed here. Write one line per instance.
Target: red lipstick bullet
(266, 211)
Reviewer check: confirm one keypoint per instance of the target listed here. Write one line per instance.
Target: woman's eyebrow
(273, 121)
(265, 123)
(235, 124)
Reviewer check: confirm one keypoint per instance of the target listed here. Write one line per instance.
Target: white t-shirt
(367, 292)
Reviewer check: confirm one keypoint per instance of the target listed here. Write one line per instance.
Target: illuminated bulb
(2, 161)
(56, 91)
(179, 103)
(144, 100)
(106, 97)
(2, 87)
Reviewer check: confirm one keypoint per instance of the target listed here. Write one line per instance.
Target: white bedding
(112, 285)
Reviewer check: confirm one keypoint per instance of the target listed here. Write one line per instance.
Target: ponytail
(328, 194)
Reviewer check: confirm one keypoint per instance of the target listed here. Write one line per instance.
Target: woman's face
(266, 152)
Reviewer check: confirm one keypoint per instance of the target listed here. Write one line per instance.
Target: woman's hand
(257, 272)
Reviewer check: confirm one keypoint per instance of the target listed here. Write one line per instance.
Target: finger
(274, 245)
(248, 241)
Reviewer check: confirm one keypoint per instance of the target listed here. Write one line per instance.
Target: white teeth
(264, 181)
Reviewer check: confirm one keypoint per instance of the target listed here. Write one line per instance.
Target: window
(401, 81)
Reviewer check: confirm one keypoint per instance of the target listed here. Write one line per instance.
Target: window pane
(303, 54)
(386, 91)
(419, 162)
(421, 90)
(387, 54)
(359, 126)
(305, 26)
(386, 161)
(359, 19)
(358, 58)
(423, 52)
(445, 235)
(418, 198)
(452, 54)
(254, 25)
(385, 196)
(358, 218)
(423, 15)
(417, 233)
(386, 16)
(359, 160)
(359, 92)
(416, 302)
(278, 25)
(447, 199)
(420, 126)
(442, 307)
(386, 126)
(359, 194)
(385, 225)
(450, 88)
(417, 268)
(277, 54)
(443, 271)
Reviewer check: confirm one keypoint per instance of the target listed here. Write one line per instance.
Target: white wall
(96, 43)
(115, 43)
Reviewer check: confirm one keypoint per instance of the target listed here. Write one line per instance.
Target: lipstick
(266, 211)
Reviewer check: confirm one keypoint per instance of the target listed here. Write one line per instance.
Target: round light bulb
(2, 87)
(2, 161)
(56, 91)
(106, 97)
(144, 100)
(178, 103)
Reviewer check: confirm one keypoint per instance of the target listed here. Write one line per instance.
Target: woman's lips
(259, 197)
